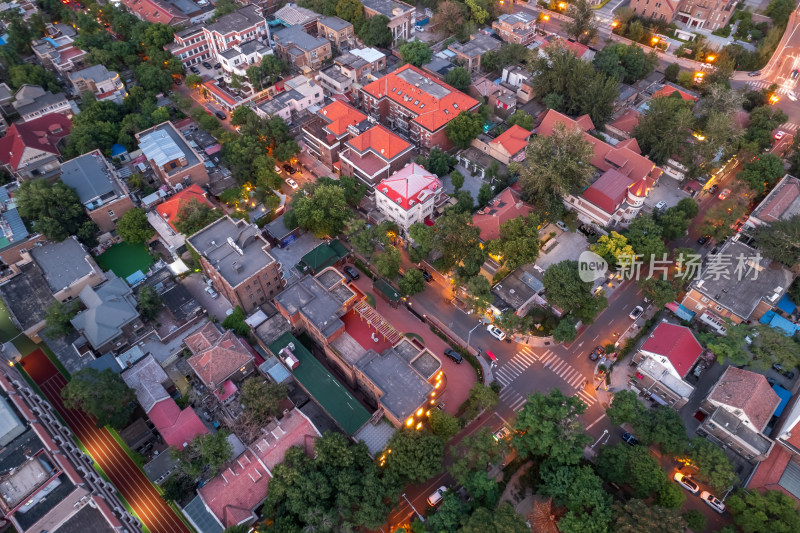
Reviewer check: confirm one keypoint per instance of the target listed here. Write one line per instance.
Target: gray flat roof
(27, 295)
(477, 46)
(235, 249)
(97, 73)
(315, 302)
(87, 519)
(403, 389)
(162, 143)
(297, 36)
(734, 425)
(334, 23)
(387, 7)
(63, 263)
(239, 20)
(518, 287)
(88, 175)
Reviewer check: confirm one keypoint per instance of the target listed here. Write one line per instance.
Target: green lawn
(125, 259)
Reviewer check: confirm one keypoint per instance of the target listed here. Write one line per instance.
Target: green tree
(474, 452)
(549, 426)
(439, 162)
(627, 63)
(457, 179)
(521, 119)
(424, 239)
(480, 397)
(388, 262)
(193, 216)
(350, 10)
(149, 302)
(672, 71)
(514, 244)
(354, 190)
(323, 213)
(134, 228)
(193, 81)
(456, 239)
(223, 7)
(581, 491)
(236, 322)
(558, 164)
(644, 235)
(261, 399)
(632, 465)
(459, 78)
(416, 456)
(177, 486)
(625, 408)
(763, 121)
(501, 520)
(205, 455)
(614, 248)
(444, 425)
(55, 210)
(661, 130)
(465, 202)
(663, 426)
(480, 292)
(762, 172)
(565, 330)
(712, 463)
(582, 27)
(721, 217)
(768, 512)
(32, 74)
(464, 128)
(636, 516)
(485, 194)
(449, 514)
(57, 319)
(695, 520)
(412, 282)
(416, 53)
(567, 291)
(375, 32)
(103, 395)
(659, 291)
(671, 496)
(449, 16)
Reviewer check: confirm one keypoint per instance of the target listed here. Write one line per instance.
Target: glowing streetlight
(654, 40)
(774, 99)
(562, 5)
(614, 24)
(711, 58)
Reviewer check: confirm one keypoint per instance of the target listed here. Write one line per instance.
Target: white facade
(408, 196)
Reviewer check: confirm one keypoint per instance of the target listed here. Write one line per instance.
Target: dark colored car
(454, 355)
(351, 272)
(220, 115)
(703, 239)
(788, 374)
(630, 439)
(206, 64)
(713, 189)
(217, 66)
(194, 69)
(178, 81)
(754, 73)
(290, 169)
(426, 275)
(795, 73)
(596, 353)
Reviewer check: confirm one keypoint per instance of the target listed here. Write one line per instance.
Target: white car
(502, 434)
(686, 483)
(779, 135)
(792, 97)
(712, 501)
(661, 205)
(497, 333)
(724, 194)
(291, 183)
(436, 498)
(211, 292)
(277, 169)
(636, 313)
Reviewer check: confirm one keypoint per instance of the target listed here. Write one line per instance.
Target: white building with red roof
(374, 155)
(665, 359)
(30, 149)
(626, 176)
(408, 196)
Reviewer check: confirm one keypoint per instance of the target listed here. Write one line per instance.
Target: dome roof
(640, 188)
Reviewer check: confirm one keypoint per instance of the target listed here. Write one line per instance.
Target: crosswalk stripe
(586, 398)
(502, 379)
(526, 350)
(506, 392)
(547, 359)
(528, 358)
(558, 366)
(519, 404)
(516, 365)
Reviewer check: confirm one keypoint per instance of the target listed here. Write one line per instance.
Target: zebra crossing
(509, 371)
(762, 84)
(789, 127)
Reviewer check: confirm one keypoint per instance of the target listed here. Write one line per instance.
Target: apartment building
(517, 28)
(171, 157)
(104, 84)
(325, 134)
(693, 14)
(31, 101)
(374, 155)
(337, 31)
(408, 196)
(301, 50)
(300, 94)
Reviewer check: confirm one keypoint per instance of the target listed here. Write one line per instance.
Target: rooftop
(380, 141)
(503, 207)
(339, 116)
(731, 423)
(63, 263)
(169, 210)
(88, 174)
(517, 18)
(235, 249)
(154, 11)
(756, 279)
(669, 89)
(323, 255)
(295, 35)
(627, 121)
(389, 8)
(748, 391)
(13, 228)
(409, 186)
(334, 23)
(163, 144)
(96, 73)
(433, 102)
(43, 133)
(661, 373)
(215, 357)
(32, 99)
(177, 427)
(109, 307)
(27, 295)
(318, 305)
(238, 21)
(677, 344)
(781, 203)
(518, 287)
(513, 140)
(292, 14)
(478, 45)
(609, 191)
(147, 378)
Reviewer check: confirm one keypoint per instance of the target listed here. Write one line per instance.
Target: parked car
(795, 73)
(792, 96)
(211, 292)
(630, 439)
(661, 205)
(779, 135)
(597, 353)
(454, 355)
(290, 169)
(497, 333)
(351, 272)
(712, 501)
(178, 81)
(502, 434)
(788, 374)
(562, 226)
(436, 498)
(703, 239)
(686, 483)
(724, 194)
(218, 65)
(636, 313)
(713, 189)
(427, 275)
(291, 183)
(220, 115)
(277, 169)
(206, 64)
(754, 73)
(194, 69)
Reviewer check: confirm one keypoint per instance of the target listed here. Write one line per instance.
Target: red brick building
(375, 155)
(327, 132)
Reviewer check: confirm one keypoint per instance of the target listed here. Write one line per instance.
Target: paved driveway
(215, 306)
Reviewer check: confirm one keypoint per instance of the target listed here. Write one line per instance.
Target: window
(704, 299)
(111, 212)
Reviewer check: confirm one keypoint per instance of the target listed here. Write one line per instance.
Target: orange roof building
(505, 206)
(217, 356)
(417, 104)
(331, 127)
(169, 210)
(509, 145)
(375, 155)
(668, 90)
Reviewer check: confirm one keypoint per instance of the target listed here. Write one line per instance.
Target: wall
(104, 219)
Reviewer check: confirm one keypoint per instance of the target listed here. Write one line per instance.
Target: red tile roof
(513, 140)
(409, 185)
(769, 472)
(381, 141)
(577, 48)
(779, 202)
(211, 85)
(748, 391)
(505, 206)
(340, 115)
(676, 343)
(608, 191)
(177, 427)
(169, 210)
(217, 362)
(668, 90)
(627, 121)
(154, 11)
(431, 112)
(42, 133)
(233, 494)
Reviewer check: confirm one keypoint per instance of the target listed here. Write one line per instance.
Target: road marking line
(557, 367)
(596, 421)
(519, 404)
(527, 358)
(506, 392)
(502, 379)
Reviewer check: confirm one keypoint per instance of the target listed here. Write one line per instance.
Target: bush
(695, 520)
(670, 496)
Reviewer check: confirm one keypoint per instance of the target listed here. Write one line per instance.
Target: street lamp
(421, 518)
(605, 432)
(545, 18)
(469, 336)
(614, 24)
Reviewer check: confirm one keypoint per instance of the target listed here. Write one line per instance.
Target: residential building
(58, 53)
(626, 176)
(293, 15)
(337, 31)
(518, 79)
(622, 127)
(738, 409)
(67, 267)
(360, 63)
(334, 81)
(408, 196)
(301, 95)
(517, 28)
(664, 361)
(325, 135)
(31, 101)
(102, 193)
(48, 484)
(14, 236)
(190, 45)
(104, 84)
(110, 321)
(738, 284)
(417, 104)
(691, 14)
(218, 356)
(170, 209)
(234, 496)
(506, 147)
(519, 291)
(27, 296)
(238, 58)
(30, 150)
(242, 25)
(171, 157)
(301, 50)
(581, 51)
(782, 202)
(470, 52)
(374, 155)
(505, 206)
(669, 89)
(399, 14)
(501, 100)
(156, 12)
(236, 257)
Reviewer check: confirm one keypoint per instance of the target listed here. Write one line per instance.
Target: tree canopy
(762, 172)
(193, 216)
(416, 456)
(464, 128)
(768, 512)
(627, 63)
(662, 130)
(102, 395)
(582, 27)
(416, 53)
(780, 240)
(567, 291)
(134, 228)
(457, 240)
(517, 243)
(375, 32)
(205, 455)
(324, 213)
(55, 211)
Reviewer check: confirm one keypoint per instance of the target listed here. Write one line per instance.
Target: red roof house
(217, 356)
(623, 125)
(156, 12)
(375, 155)
(674, 345)
(409, 195)
(747, 392)
(177, 427)
(31, 145)
(509, 144)
(505, 206)
(668, 90)
(169, 210)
